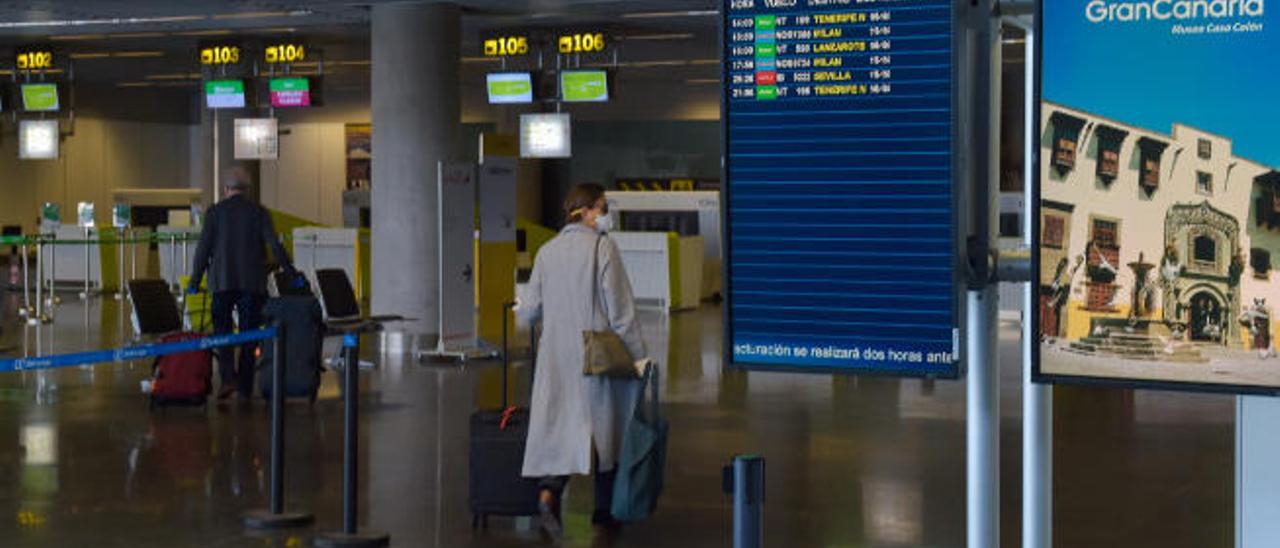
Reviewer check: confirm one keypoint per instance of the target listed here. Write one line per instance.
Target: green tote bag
(643, 457)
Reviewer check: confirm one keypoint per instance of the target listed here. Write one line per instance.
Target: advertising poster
(359, 141)
(1159, 195)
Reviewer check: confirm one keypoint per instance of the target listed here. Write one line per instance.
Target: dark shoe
(605, 534)
(226, 392)
(549, 526)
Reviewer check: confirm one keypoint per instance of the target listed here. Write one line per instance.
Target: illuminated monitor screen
(584, 86)
(1157, 199)
(840, 187)
(224, 93)
(507, 88)
(39, 97)
(289, 92)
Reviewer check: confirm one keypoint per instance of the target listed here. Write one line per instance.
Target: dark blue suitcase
(304, 341)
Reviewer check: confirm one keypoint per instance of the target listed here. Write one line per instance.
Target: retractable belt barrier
(133, 353)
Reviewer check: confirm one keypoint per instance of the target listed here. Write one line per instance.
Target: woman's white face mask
(604, 223)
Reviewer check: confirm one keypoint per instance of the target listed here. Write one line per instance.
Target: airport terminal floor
(851, 461)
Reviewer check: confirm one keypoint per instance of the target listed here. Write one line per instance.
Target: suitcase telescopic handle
(506, 349)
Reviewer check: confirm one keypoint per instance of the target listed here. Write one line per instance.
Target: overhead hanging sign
(284, 53)
(223, 54)
(840, 187)
(1158, 195)
(513, 45)
(34, 59)
(581, 42)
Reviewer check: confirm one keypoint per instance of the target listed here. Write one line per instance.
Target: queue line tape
(133, 353)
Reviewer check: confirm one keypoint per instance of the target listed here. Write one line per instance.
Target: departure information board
(841, 244)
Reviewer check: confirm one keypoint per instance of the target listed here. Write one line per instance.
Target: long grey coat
(570, 410)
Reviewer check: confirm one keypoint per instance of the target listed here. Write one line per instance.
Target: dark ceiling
(153, 43)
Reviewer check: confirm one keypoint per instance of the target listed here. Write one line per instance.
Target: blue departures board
(841, 227)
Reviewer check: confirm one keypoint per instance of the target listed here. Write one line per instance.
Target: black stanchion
(275, 517)
(350, 534)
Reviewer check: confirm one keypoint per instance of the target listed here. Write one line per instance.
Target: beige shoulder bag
(604, 354)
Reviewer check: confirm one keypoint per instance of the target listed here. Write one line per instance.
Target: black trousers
(603, 489)
(248, 307)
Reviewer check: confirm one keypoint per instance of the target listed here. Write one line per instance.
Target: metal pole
(351, 397)
(983, 401)
(38, 315)
(1037, 399)
(53, 273)
(26, 280)
(88, 257)
(748, 501)
(983, 424)
(277, 420)
(120, 243)
(350, 534)
(275, 517)
(133, 258)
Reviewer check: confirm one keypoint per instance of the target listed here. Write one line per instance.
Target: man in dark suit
(233, 250)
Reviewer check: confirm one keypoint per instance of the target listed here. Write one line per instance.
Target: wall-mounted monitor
(508, 88)
(289, 92)
(841, 189)
(545, 136)
(224, 93)
(38, 139)
(1156, 229)
(41, 97)
(584, 86)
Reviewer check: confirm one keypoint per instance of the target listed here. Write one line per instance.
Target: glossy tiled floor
(851, 461)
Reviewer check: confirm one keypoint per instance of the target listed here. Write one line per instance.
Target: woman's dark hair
(583, 197)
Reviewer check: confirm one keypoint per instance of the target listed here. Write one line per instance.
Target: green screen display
(224, 93)
(40, 97)
(510, 87)
(584, 86)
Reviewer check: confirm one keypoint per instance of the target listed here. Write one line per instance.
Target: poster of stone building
(1159, 192)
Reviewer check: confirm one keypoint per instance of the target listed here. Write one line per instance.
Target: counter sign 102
(34, 60)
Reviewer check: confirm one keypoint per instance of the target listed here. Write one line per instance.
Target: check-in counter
(320, 248)
(176, 246)
(64, 263)
(665, 269)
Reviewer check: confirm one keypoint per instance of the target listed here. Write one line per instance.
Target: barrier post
(53, 275)
(88, 258)
(744, 479)
(275, 517)
(26, 310)
(121, 238)
(350, 534)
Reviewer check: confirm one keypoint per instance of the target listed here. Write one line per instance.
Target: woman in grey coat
(577, 419)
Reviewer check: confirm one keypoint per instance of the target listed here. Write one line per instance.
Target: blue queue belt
(133, 353)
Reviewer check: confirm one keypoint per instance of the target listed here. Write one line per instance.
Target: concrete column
(416, 121)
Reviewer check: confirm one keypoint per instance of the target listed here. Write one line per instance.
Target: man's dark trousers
(248, 306)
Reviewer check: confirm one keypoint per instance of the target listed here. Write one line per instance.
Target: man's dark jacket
(233, 247)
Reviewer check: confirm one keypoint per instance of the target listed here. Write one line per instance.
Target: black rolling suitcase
(304, 339)
(497, 456)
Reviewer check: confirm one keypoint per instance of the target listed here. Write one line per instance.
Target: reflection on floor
(851, 461)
